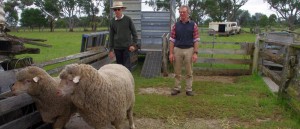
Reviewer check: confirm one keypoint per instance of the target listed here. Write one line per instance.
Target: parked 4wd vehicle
(224, 28)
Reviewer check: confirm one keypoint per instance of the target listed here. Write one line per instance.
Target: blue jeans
(123, 57)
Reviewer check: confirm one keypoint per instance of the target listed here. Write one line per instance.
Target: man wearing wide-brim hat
(122, 36)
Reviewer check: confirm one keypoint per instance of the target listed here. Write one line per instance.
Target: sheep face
(26, 79)
(66, 87)
(69, 80)
(20, 87)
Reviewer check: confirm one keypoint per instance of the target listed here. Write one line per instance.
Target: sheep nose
(58, 93)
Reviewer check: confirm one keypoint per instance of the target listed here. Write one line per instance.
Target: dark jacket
(122, 33)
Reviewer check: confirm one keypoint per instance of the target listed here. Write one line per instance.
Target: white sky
(258, 6)
(253, 6)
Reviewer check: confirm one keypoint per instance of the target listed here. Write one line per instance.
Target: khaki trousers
(183, 57)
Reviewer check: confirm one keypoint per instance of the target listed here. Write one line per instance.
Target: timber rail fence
(277, 55)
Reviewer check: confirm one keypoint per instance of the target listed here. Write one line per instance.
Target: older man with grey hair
(184, 49)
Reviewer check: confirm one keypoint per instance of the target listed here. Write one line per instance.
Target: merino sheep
(101, 96)
(43, 88)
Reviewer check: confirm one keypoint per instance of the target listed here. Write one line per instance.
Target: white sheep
(102, 97)
(43, 88)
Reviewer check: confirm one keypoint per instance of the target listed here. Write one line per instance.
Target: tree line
(83, 13)
(51, 13)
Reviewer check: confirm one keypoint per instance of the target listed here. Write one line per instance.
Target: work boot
(175, 92)
(189, 93)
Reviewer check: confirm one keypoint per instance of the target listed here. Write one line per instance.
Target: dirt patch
(77, 122)
(167, 90)
(221, 79)
(158, 90)
(148, 123)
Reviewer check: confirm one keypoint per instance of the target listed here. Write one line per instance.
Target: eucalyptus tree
(244, 18)
(106, 13)
(289, 10)
(161, 4)
(197, 10)
(152, 3)
(33, 18)
(69, 8)
(224, 10)
(51, 8)
(10, 8)
(233, 9)
(91, 9)
(263, 21)
(272, 19)
(216, 10)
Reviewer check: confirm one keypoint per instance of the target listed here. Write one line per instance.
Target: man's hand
(131, 48)
(111, 54)
(171, 57)
(194, 57)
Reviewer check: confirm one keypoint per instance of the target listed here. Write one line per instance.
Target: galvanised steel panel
(155, 31)
(132, 5)
(155, 23)
(151, 46)
(150, 25)
(156, 14)
(134, 15)
(154, 40)
(155, 27)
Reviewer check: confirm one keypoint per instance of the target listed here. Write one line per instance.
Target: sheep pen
(102, 97)
(42, 88)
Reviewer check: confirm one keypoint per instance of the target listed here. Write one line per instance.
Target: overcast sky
(253, 6)
(258, 6)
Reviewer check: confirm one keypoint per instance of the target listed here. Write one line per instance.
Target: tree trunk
(94, 27)
(71, 24)
(51, 25)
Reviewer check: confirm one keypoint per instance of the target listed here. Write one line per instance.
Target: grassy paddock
(245, 103)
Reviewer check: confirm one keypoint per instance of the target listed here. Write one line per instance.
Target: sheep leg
(60, 122)
(130, 118)
(117, 124)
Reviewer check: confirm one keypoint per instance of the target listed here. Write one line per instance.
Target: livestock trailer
(224, 28)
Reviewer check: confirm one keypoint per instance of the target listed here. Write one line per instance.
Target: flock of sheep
(101, 97)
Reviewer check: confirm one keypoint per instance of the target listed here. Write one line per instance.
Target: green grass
(246, 103)
(63, 43)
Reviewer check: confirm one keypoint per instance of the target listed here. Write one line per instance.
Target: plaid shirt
(195, 34)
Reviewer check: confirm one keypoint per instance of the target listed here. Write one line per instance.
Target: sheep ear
(76, 79)
(36, 79)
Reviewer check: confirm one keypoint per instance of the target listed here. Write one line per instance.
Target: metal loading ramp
(152, 64)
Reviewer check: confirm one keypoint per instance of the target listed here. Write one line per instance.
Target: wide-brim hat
(118, 4)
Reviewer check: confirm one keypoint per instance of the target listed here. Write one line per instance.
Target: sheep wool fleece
(53, 109)
(103, 96)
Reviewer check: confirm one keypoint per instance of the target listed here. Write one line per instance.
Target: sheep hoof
(132, 126)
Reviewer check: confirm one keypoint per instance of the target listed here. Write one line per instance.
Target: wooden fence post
(288, 71)
(255, 54)
(165, 48)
